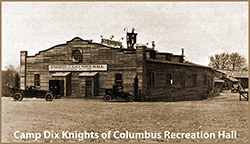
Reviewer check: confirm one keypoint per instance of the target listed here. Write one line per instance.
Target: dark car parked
(32, 92)
(116, 92)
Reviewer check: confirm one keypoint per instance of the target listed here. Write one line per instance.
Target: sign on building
(112, 42)
(78, 67)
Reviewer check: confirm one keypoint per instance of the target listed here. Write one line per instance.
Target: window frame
(151, 79)
(118, 80)
(37, 80)
(77, 55)
(168, 79)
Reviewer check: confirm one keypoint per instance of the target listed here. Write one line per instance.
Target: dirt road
(224, 112)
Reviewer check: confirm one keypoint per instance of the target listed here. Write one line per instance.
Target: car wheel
(130, 99)
(107, 98)
(18, 96)
(49, 97)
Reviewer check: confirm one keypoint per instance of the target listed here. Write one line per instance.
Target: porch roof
(88, 73)
(63, 74)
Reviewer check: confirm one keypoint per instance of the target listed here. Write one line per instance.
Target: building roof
(177, 56)
(218, 80)
(179, 63)
(234, 73)
(198, 65)
(77, 39)
(240, 75)
(221, 71)
(164, 53)
(232, 79)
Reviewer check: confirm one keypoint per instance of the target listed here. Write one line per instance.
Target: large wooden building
(82, 68)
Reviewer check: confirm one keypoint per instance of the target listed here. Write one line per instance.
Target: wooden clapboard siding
(117, 60)
(161, 91)
(129, 63)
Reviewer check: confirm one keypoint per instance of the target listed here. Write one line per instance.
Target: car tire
(49, 97)
(17, 96)
(107, 98)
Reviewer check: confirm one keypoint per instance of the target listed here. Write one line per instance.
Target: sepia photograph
(124, 72)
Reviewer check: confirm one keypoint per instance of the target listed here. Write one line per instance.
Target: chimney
(182, 51)
(153, 45)
(23, 60)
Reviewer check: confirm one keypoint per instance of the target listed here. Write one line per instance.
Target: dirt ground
(224, 112)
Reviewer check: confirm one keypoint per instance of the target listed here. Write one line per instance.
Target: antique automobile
(32, 92)
(116, 92)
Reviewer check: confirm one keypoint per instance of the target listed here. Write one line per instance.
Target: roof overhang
(232, 79)
(241, 77)
(218, 80)
(86, 74)
(60, 74)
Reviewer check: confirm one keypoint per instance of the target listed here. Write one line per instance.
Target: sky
(201, 28)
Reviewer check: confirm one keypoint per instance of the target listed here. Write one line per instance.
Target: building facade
(82, 68)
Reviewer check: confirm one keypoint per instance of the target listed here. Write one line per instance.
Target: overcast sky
(201, 28)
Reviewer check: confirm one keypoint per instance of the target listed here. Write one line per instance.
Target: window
(205, 79)
(37, 80)
(183, 79)
(77, 55)
(169, 79)
(150, 79)
(194, 80)
(118, 80)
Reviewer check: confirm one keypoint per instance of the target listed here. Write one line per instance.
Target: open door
(57, 87)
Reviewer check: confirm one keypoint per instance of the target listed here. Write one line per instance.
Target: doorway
(88, 88)
(57, 87)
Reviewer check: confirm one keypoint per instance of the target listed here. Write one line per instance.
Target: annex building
(82, 68)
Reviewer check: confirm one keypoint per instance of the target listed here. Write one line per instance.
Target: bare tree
(225, 61)
(237, 62)
(220, 61)
(245, 69)
(10, 77)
